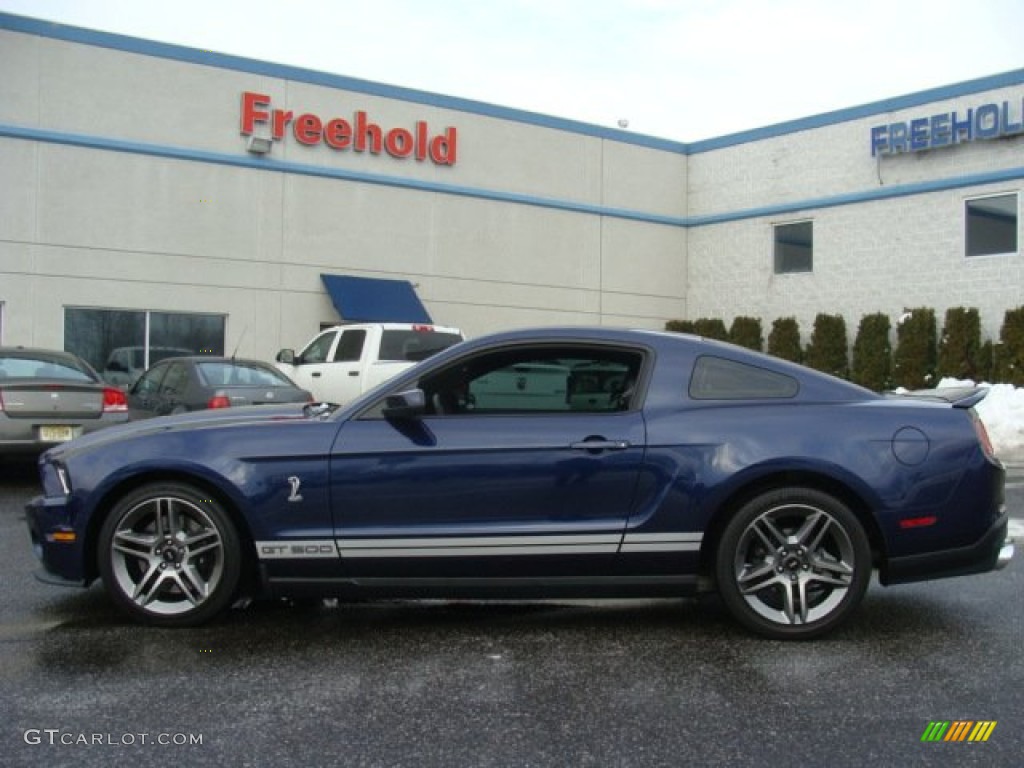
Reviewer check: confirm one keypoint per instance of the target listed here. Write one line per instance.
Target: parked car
(552, 463)
(180, 384)
(49, 397)
(125, 364)
(341, 363)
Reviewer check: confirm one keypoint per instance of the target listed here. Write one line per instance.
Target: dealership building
(157, 196)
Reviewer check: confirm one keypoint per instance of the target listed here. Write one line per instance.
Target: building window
(794, 247)
(121, 344)
(991, 225)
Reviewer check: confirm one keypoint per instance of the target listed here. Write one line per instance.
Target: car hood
(206, 419)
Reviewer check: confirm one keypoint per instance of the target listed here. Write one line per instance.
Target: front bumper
(56, 543)
(991, 552)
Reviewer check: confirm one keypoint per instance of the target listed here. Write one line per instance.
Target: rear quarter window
(717, 378)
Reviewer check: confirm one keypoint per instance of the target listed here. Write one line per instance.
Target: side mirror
(410, 404)
(286, 356)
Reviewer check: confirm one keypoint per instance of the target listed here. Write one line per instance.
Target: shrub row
(920, 358)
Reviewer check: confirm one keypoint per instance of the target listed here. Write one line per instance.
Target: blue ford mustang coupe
(538, 464)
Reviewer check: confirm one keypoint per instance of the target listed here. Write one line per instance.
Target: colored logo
(958, 730)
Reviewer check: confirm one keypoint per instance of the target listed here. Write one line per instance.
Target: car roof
(213, 359)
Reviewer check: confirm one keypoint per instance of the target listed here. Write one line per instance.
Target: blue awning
(371, 300)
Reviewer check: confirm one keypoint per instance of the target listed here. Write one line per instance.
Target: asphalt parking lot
(645, 683)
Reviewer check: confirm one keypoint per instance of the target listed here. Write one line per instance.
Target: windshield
(41, 367)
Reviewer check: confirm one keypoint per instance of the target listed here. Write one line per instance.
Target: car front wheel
(169, 555)
(793, 563)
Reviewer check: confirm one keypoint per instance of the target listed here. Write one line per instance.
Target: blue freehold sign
(988, 121)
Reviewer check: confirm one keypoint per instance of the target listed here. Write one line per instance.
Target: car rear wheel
(793, 563)
(169, 555)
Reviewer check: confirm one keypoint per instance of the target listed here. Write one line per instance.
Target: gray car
(49, 397)
(180, 384)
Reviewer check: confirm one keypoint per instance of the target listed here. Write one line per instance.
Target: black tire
(793, 564)
(169, 555)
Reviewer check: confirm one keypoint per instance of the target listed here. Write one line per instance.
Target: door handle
(353, 373)
(315, 374)
(595, 444)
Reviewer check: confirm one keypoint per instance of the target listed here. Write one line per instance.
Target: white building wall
(87, 226)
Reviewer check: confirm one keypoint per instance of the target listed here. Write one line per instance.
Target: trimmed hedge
(918, 361)
(711, 328)
(960, 345)
(784, 340)
(679, 326)
(915, 356)
(872, 353)
(746, 331)
(827, 351)
(1008, 356)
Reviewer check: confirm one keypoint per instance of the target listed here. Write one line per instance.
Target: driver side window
(537, 379)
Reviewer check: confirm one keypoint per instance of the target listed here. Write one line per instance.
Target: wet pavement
(644, 683)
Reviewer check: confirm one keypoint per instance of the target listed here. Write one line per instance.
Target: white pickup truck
(342, 362)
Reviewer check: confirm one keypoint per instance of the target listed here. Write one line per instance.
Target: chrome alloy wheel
(794, 564)
(167, 555)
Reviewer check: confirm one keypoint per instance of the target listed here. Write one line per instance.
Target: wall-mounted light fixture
(259, 145)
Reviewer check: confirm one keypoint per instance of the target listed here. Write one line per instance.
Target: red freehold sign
(359, 134)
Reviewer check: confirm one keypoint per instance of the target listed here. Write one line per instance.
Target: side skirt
(485, 588)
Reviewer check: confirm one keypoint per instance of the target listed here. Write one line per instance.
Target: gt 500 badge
(275, 550)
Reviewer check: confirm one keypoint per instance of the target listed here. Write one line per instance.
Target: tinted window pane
(236, 374)
(413, 346)
(715, 378)
(106, 338)
(199, 334)
(532, 380)
(992, 225)
(350, 347)
(794, 247)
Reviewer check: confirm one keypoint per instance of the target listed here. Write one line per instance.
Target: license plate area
(56, 433)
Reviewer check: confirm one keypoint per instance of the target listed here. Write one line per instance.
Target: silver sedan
(49, 397)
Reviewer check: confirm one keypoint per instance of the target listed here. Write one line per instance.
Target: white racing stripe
(477, 546)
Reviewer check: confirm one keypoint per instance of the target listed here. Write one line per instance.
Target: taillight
(983, 438)
(114, 400)
(219, 401)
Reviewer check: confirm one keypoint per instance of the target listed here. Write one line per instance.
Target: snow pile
(1002, 412)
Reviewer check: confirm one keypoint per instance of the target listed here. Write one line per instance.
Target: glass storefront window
(121, 344)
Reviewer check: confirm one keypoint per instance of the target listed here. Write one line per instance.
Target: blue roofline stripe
(278, 166)
(868, 196)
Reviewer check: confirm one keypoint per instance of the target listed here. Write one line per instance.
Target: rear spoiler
(958, 397)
